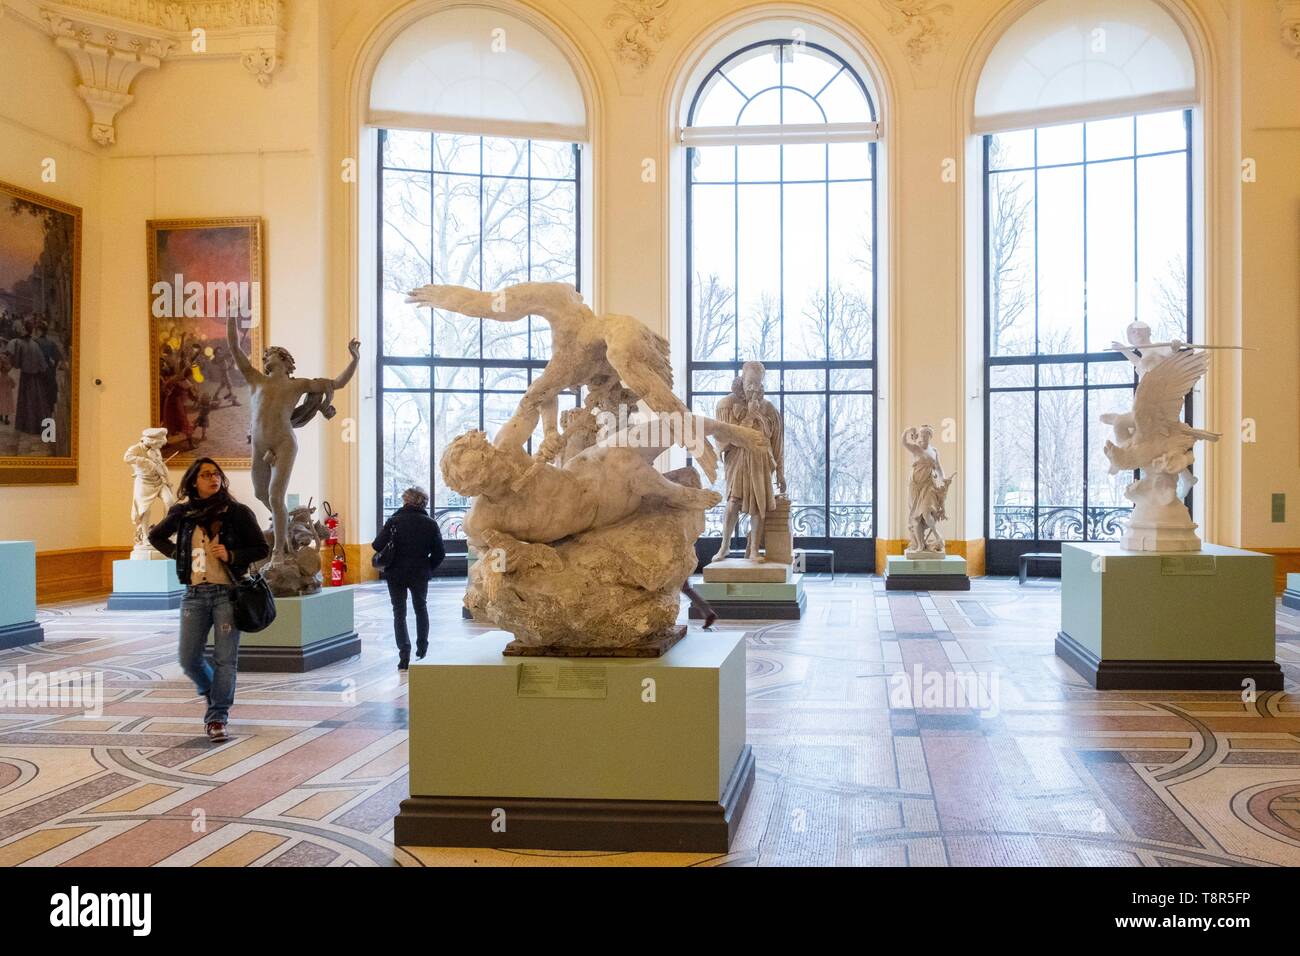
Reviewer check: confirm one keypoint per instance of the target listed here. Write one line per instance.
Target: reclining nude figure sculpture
(276, 410)
(587, 557)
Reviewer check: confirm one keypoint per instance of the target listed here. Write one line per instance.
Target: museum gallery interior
(623, 432)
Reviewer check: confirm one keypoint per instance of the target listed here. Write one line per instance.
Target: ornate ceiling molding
(923, 21)
(111, 42)
(1290, 13)
(642, 26)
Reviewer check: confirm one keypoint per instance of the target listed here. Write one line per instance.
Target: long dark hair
(204, 509)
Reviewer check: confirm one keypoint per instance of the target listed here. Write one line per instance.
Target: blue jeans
(207, 607)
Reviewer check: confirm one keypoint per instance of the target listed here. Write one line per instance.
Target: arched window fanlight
(478, 71)
(1072, 60)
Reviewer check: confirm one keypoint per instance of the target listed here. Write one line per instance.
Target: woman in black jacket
(217, 538)
(419, 551)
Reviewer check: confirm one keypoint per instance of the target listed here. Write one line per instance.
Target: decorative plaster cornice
(111, 42)
(1290, 12)
(924, 21)
(642, 26)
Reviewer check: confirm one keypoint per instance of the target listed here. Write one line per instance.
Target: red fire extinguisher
(339, 564)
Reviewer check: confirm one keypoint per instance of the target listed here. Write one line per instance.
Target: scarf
(205, 511)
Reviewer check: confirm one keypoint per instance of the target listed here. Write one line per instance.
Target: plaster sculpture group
(585, 546)
(151, 483)
(927, 494)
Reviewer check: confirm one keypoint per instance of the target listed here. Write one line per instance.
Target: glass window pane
(850, 160)
(759, 256)
(505, 379)
(456, 376)
(758, 163)
(851, 379)
(406, 257)
(805, 462)
(799, 107)
(1157, 132)
(851, 325)
(1011, 150)
(712, 380)
(754, 70)
(1056, 374)
(713, 164)
(456, 239)
(719, 105)
(405, 445)
(852, 448)
(805, 380)
(713, 273)
(454, 414)
(406, 376)
(1108, 139)
(1060, 260)
(553, 160)
(1111, 282)
(456, 153)
(407, 149)
(1107, 506)
(763, 110)
(1060, 144)
(844, 101)
(1011, 376)
(553, 253)
(808, 69)
(1060, 465)
(505, 157)
(1011, 464)
(1162, 245)
(1011, 263)
(803, 162)
(804, 269)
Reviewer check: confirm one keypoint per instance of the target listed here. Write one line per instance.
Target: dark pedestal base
(464, 613)
(1166, 675)
(754, 610)
(550, 824)
(145, 600)
(1291, 599)
(20, 635)
(297, 660)
(927, 582)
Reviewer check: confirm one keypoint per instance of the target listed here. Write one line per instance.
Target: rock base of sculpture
(1177, 621)
(1291, 596)
(931, 572)
(752, 600)
(18, 625)
(747, 570)
(145, 585)
(308, 632)
(570, 755)
(297, 576)
(655, 648)
(617, 587)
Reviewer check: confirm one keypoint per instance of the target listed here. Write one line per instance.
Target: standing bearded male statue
(749, 472)
(276, 412)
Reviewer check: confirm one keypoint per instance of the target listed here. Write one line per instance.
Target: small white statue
(926, 496)
(1153, 438)
(152, 483)
(749, 471)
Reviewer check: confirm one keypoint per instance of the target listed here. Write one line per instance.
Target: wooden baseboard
(1285, 561)
(75, 573)
(971, 549)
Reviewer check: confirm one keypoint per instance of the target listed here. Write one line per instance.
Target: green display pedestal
(308, 632)
(1291, 596)
(577, 754)
(1195, 620)
(145, 586)
(18, 625)
(752, 600)
(947, 573)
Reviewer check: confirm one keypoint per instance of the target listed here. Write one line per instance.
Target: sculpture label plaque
(568, 681)
(1179, 565)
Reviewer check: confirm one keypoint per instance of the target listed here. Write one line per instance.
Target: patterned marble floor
(889, 730)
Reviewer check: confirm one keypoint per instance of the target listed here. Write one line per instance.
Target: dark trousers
(419, 591)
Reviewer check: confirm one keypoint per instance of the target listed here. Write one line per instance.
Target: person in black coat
(217, 538)
(418, 546)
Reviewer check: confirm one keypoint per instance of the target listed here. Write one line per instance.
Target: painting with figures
(202, 271)
(40, 274)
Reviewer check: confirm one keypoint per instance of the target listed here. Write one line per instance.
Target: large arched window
(480, 157)
(1086, 110)
(781, 229)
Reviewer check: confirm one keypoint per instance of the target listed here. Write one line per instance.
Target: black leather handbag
(382, 560)
(254, 604)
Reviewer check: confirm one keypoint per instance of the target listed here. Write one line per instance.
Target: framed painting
(202, 272)
(40, 345)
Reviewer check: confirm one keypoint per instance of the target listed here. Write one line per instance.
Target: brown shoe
(217, 732)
